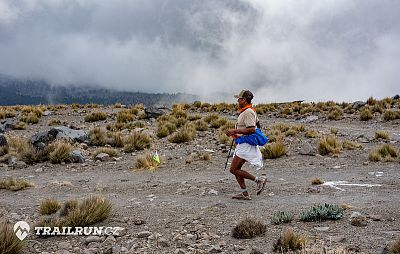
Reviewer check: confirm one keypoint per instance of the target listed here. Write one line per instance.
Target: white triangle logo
(21, 229)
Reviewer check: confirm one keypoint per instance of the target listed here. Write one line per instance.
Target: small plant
(335, 114)
(329, 145)
(290, 241)
(194, 117)
(54, 122)
(311, 134)
(211, 117)
(322, 212)
(282, 217)
(218, 122)
(317, 181)
(9, 243)
(381, 135)
(273, 150)
(30, 118)
(97, 137)
(146, 161)
(136, 141)
(201, 125)
(390, 115)
(385, 152)
(15, 184)
(204, 156)
(248, 228)
(184, 134)
(60, 151)
(95, 116)
(394, 247)
(19, 126)
(49, 206)
(334, 131)
(115, 139)
(366, 114)
(350, 145)
(165, 128)
(108, 150)
(91, 210)
(68, 207)
(124, 116)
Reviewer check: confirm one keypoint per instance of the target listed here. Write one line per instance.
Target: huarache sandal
(260, 185)
(241, 196)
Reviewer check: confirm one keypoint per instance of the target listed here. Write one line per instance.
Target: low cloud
(281, 50)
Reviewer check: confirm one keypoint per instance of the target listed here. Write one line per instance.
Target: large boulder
(6, 125)
(358, 104)
(40, 140)
(154, 112)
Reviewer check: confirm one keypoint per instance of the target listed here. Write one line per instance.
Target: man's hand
(230, 133)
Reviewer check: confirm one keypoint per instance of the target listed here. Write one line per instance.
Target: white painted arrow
(334, 184)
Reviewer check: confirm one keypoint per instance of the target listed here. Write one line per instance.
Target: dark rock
(77, 157)
(3, 141)
(307, 149)
(358, 104)
(396, 97)
(154, 112)
(6, 125)
(68, 133)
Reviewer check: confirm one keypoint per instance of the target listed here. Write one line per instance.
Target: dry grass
(49, 206)
(97, 137)
(54, 122)
(4, 150)
(15, 184)
(95, 116)
(273, 150)
(317, 181)
(60, 151)
(125, 116)
(68, 207)
(248, 228)
(290, 241)
(184, 134)
(146, 161)
(390, 115)
(115, 139)
(136, 141)
(110, 151)
(329, 145)
(311, 134)
(211, 117)
(19, 126)
(165, 128)
(335, 114)
(366, 114)
(201, 125)
(385, 152)
(334, 131)
(9, 243)
(350, 145)
(394, 247)
(381, 135)
(30, 118)
(91, 210)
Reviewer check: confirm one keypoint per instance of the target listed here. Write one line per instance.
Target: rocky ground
(186, 207)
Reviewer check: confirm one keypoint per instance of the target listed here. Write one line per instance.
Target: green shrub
(322, 212)
(282, 217)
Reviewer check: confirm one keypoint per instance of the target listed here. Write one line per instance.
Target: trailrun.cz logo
(21, 229)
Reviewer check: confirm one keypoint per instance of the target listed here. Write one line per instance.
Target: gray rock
(102, 157)
(163, 242)
(19, 165)
(214, 249)
(307, 149)
(77, 156)
(309, 119)
(68, 133)
(93, 238)
(179, 251)
(154, 112)
(3, 140)
(120, 231)
(46, 113)
(6, 125)
(358, 104)
(144, 234)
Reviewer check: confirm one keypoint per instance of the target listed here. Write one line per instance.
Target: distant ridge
(32, 92)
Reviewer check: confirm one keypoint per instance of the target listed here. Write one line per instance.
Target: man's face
(242, 102)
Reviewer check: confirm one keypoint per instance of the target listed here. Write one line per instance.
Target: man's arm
(244, 131)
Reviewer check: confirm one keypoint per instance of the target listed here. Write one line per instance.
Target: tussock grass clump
(136, 141)
(92, 105)
(335, 114)
(30, 118)
(14, 184)
(248, 228)
(350, 145)
(19, 126)
(394, 247)
(334, 131)
(91, 210)
(184, 134)
(197, 104)
(5, 113)
(115, 126)
(68, 206)
(216, 123)
(194, 117)
(115, 139)
(381, 135)
(282, 217)
(36, 110)
(49, 206)
(311, 134)
(108, 150)
(4, 150)
(204, 156)
(390, 115)
(97, 137)
(30, 154)
(9, 242)
(273, 150)
(366, 114)
(290, 241)
(60, 151)
(282, 127)
(329, 145)
(317, 181)
(211, 117)
(146, 161)
(54, 122)
(322, 212)
(95, 116)
(125, 116)
(384, 152)
(165, 129)
(201, 125)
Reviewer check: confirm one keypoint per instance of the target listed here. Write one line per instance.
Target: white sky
(315, 50)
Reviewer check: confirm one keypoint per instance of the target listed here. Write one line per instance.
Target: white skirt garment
(251, 154)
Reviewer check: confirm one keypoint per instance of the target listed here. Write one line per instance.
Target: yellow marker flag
(156, 158)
